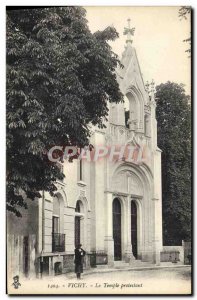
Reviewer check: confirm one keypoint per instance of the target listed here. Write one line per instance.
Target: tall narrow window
(127, 118)
(26, 255)
(61, 168)
(56, 215)
(80, 170)
(147, 125)
(58, 237)
(55, 225)
(77, 209)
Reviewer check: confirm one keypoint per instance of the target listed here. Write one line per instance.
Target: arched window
(77, 209)
(134, 111)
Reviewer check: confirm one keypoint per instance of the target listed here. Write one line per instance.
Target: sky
(158, 39)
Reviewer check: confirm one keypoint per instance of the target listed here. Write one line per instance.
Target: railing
(122, 134)
(58, 242)
(98, 258)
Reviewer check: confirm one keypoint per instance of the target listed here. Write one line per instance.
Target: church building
(112, 207)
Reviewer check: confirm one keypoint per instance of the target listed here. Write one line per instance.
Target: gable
(131, 76)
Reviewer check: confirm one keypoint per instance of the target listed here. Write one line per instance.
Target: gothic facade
(113, 208)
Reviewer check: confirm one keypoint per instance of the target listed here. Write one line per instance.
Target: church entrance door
(134, 227)
(117, 229)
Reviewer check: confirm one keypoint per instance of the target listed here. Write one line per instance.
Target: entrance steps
(117, 265)
(120, 264)
(133, 264)
(138, 263)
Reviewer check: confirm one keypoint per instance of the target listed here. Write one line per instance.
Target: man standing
(79, 255)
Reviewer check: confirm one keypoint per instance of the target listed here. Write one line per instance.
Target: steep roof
(130, 75)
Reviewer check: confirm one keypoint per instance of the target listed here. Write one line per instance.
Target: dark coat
(79, 255)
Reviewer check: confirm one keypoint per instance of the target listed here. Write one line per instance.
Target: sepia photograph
(98, 150)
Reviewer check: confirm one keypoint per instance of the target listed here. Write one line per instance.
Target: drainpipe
(42, 248)
(43, 220)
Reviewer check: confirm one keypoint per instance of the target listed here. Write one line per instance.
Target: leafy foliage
(184, 11)
(59, 78)
(174, 138)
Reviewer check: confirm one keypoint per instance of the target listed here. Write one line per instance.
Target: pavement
(139, 278)
(146, 267)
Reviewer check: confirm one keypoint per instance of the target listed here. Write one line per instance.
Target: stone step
(120, 264)
(101, 267)
(140, 264)
(133, 263)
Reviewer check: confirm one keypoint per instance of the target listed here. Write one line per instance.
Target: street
(181, 273)
(161, 281)
(170, 280)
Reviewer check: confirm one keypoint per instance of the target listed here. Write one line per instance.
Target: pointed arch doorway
(134, 236)
(117, 229)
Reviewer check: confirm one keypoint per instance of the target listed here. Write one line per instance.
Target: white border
(2, 101)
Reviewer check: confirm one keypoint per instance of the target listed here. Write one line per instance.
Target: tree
(59, 79)
(184, 12)
(174, 139)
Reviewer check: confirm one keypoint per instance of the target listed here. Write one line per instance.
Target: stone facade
(92, 186)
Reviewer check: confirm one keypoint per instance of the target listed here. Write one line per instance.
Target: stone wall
(168, 253)
(68, 263)
(22, 241)
(187, 252)
(69, 266)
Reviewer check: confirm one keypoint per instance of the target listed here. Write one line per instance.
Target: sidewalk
(130, 268)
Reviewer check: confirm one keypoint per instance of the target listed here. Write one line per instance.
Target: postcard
(98, 150)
